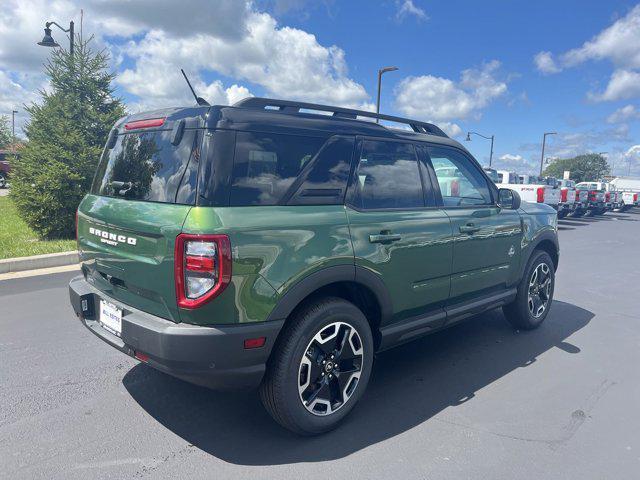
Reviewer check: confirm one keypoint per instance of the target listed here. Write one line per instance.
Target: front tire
(320, 367)
(535, 293)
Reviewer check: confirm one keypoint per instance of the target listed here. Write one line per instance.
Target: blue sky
(512, 69)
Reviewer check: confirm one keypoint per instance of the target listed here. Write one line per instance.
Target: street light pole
(48, 41)
(380, 72)
(483, 136)
(544, 141)
(13, 128)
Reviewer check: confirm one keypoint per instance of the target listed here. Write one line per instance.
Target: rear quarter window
(266, 165)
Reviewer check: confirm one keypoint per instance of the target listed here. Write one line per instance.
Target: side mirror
(508, 199)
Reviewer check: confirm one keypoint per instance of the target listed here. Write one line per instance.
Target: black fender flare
(337, 273)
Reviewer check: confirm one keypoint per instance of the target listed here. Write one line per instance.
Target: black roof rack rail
(288, 106)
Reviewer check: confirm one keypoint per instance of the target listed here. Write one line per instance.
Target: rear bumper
(214, 357)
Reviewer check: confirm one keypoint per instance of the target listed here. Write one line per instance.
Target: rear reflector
(143, 357)
(254, 342)
(148, 123)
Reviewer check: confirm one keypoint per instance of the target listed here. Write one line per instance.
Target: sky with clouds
(509, 69)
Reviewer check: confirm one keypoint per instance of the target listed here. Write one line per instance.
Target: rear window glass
(146, 166)
(266, 165)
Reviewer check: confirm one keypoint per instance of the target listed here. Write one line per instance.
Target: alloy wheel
(330, 368)
(539, 290)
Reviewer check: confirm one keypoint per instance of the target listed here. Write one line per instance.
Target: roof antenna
(199, 100)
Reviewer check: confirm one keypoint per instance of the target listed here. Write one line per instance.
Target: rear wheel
(321, 367)
(535, 293)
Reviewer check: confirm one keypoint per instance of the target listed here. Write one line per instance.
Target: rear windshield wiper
(123, 187)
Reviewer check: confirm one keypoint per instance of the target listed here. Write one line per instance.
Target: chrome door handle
(469, 228)
(384, 238)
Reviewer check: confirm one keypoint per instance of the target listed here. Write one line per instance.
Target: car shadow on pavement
(409, 385)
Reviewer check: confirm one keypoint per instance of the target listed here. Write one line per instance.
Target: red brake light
(563, 194)
(577, 195)
(148, 123)
(607, 196)
(202, 268)
(635, 197)
(540, 195)
(455, 188)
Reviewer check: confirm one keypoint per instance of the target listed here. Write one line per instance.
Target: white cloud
(407, 8)
(628, 112)
(545, 63)
(516, 163)
(151, 40)
(442, 100)
(624, 84)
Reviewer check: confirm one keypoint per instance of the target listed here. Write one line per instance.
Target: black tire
(298, 357)
(562, 214)
(519, 312)
(589, 213)
(577, 213)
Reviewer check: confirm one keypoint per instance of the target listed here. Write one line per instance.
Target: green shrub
(66, 133)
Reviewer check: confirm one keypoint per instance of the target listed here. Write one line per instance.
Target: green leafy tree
(6, 136)
(591, 166)
(66, 133)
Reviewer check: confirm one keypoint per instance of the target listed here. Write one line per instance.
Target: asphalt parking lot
(478, 401)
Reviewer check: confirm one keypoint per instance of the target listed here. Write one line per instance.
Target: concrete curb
(38, 261)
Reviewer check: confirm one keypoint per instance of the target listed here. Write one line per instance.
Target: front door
(486, 251)
(397, 231)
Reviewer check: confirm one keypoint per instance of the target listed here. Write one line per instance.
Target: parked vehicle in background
(629, 200)
(595, 192)
(568, 198)
(270, 245)
(5, 169)
(532, 188)
(492, 173)
(507, 178)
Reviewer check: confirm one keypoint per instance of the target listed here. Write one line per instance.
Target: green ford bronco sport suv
(281, 245)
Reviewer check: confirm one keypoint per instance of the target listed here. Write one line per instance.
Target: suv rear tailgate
(126, 249)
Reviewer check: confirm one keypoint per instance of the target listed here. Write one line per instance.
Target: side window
(387, 176)
(461, 183)
(266, 165)
(325, 180)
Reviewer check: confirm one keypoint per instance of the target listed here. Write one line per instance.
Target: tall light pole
(48, 41)
(544, 141)
(488, 138)
(13, 128)
(380, 72)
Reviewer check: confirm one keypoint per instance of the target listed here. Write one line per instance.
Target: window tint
(387, 176)
(326, 180)
(146, 166)
(266, 165)
(461, 183)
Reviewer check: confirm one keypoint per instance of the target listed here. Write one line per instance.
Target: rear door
(396, 229)
(143, 190)
(486, 249)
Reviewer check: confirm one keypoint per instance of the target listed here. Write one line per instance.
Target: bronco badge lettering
(112, 238)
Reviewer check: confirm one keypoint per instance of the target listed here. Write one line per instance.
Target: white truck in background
(595, 192)
(569, 199)
(531, 188)
(630, 191)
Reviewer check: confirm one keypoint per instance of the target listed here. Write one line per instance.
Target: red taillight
(148, 123)
(254, 342)
(202, 268)
(563, 195)
(635, 197)
(455, 188)
(592, 195)
(540, 194)
(577, 195)
(607, 197)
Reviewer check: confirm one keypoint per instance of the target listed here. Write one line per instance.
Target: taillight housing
(635, 197)
(202, 268)
(607, 197)
(563, 195)
(540, 195)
